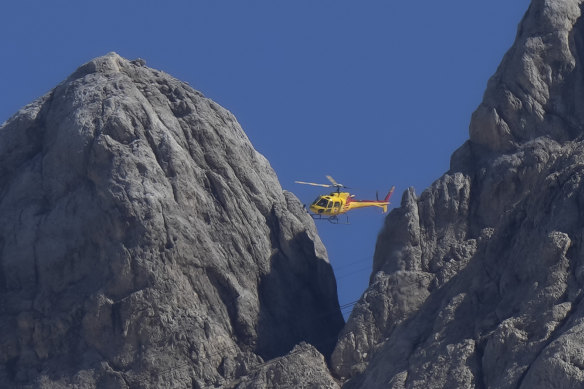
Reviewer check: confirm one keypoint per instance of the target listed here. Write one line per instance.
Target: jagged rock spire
(537, 89)
(478, 282)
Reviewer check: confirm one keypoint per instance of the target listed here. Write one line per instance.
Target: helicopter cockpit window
(330, 204)
(337, 204)
(322, 203)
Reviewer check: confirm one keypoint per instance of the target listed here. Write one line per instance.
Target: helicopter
(330, 206)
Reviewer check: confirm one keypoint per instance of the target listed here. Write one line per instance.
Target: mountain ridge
(118, 271)
(476, 282)
(137, 218)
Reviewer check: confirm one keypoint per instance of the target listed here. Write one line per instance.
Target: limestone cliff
(478, 282)
(145, 243)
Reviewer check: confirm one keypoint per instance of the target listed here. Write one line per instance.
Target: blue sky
(375, 93)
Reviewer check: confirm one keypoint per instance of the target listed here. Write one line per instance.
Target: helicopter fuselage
(337, 203)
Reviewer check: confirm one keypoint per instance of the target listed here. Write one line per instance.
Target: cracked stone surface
(478, 282)
(145, 243)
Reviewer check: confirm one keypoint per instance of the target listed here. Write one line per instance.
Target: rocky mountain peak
(536, 90)
(477, 282)
(145, 243)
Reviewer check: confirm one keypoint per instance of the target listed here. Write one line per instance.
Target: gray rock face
(479, 281)
(145, 243)
(303, 367)
(536, 90)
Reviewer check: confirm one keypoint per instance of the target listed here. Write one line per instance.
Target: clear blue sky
(375, 93)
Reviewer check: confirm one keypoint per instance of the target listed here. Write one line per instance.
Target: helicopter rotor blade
(336, 184)
(332, 180)
(313, 184)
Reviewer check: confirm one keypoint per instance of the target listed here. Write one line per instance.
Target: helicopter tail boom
(371, 203)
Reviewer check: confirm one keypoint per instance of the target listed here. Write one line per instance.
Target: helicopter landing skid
(331, 219)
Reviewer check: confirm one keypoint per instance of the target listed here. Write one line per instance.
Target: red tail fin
(389, 194)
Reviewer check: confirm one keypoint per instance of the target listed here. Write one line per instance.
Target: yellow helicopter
(330, 206)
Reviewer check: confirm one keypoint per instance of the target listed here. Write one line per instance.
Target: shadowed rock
(478, 282)
(145, 243)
